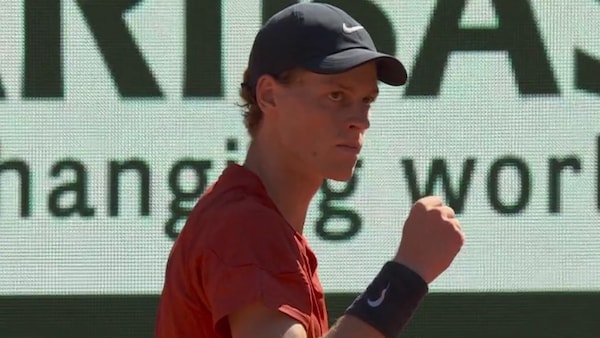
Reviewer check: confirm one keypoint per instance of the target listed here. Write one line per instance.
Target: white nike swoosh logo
(378, 301)
(352, 29)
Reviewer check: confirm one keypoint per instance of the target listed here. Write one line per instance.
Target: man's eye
(336, 96)
(369, 100)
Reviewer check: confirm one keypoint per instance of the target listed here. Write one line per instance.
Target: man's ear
(265, 93)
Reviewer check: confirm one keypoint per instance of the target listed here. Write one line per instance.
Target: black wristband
(390, 300)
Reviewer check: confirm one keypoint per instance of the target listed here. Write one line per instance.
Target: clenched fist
(431, 238)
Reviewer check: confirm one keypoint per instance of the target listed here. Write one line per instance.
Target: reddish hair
(250, 109)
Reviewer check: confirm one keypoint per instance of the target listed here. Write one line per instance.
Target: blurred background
(116, 115)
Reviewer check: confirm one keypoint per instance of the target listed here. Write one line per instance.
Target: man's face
(321, 120)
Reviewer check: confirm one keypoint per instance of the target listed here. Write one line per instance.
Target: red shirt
(236, 249)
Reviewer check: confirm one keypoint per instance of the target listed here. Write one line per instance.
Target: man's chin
(341, 175)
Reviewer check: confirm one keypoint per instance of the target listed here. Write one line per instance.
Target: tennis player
(241, 266)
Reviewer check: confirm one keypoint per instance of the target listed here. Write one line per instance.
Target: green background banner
(116, 115)
(444, 315)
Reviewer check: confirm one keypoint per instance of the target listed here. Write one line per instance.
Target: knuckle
(460, 241)
(437, 200)
(447, 212)
(460, 236)
(431, 200)
(436, 212)
(419, 206)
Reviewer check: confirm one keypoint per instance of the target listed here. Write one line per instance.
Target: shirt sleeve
(254, 257)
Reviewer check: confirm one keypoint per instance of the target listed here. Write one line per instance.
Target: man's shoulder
(235, 203)
(243, 231)
(236, 191)
(234, 212)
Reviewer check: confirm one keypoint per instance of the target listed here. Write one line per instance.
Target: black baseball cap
(320, 38)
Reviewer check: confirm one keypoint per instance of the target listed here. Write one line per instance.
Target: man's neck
(290, 188)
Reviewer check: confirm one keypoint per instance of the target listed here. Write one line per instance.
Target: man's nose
(359, 118)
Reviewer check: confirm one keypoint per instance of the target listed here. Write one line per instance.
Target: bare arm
(431, 238)
(349, 326)
(257, 321)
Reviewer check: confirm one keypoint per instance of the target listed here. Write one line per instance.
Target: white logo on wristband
(378, 301)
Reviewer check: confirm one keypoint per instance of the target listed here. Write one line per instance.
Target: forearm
(382, 311)
(349, 326)
(386, 306)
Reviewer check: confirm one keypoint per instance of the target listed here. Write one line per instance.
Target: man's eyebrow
(342, 85)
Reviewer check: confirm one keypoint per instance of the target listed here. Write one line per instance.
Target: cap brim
(389, 69)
